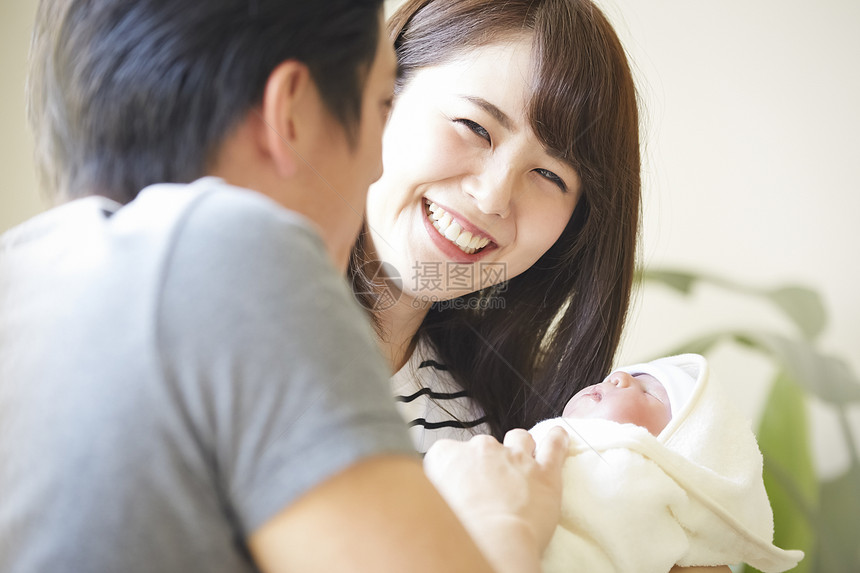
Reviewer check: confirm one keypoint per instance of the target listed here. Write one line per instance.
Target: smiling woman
(459, 143)
(508, 207)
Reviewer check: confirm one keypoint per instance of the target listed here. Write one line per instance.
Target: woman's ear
(284, 96)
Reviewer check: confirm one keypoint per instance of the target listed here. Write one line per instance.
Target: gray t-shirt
(173, 373)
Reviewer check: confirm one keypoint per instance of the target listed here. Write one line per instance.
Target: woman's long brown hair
(562, 319)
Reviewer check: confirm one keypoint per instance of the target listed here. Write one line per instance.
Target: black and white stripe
(432, 403)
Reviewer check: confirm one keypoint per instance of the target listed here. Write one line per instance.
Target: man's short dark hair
(126, 94)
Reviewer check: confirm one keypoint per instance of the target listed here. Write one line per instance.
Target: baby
(662, 470)
(627, 398)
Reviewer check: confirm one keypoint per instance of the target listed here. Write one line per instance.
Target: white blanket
(694, 495)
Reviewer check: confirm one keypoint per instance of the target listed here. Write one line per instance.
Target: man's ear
(283, 98)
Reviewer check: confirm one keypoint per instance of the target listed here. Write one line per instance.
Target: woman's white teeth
(451, 230)
(452, 233)
(463, 239)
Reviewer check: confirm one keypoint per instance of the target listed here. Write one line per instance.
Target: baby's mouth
(453, 231)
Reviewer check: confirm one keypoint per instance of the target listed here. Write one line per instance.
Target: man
(185, 383)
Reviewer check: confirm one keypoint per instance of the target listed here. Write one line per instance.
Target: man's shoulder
(214, 206)
(159, 215)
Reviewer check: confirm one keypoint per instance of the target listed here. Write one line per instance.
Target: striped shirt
(433, 404)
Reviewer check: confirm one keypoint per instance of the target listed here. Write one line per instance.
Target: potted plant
(821, 517)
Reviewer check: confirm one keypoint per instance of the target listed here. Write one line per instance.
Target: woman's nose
(493, 191)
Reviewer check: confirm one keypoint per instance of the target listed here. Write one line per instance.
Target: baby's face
(626, 399)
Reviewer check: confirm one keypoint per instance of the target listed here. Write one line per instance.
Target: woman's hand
(507, 496)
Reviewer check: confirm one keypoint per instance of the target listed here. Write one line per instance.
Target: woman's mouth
(452, 230)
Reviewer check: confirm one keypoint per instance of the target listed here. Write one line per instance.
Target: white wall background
(752, 151)
(752, 166)
(18, 196)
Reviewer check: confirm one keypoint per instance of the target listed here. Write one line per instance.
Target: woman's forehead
(498, 68)
(502, 72)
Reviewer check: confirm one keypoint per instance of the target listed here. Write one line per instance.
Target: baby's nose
(622, 379)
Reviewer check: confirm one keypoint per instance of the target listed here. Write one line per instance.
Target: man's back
(149, 420)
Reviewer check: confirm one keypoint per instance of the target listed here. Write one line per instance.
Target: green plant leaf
(838, 522)
(803, 306)
(680, 281)
(700, 345)
(789, 475)
(828, 377)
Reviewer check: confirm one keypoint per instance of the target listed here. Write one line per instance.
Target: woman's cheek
(548, 220)
(443, 154)
(534, 238)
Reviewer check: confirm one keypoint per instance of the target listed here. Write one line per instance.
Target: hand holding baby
(502, 491)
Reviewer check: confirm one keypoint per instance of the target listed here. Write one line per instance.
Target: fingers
(484, 441)
(550, 454)
(440, 446)
(438, 456)
(520, 440)
(553, 449)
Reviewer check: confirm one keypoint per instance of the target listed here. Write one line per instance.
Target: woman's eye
(476, 128)
(549, 175)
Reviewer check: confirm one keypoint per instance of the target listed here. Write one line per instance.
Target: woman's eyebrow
(494, 111)
(507, 123)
